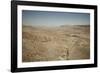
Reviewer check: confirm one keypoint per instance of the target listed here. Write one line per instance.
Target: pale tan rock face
(59, 43)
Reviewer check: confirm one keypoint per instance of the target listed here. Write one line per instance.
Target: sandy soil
(55, 43)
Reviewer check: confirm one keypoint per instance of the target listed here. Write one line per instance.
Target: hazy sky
(46, 18)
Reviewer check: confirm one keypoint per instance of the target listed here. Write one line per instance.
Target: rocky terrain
(55, 43)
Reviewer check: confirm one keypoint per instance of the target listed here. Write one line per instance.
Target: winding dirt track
(59, 43)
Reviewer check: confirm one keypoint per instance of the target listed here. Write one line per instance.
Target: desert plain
(66, 42)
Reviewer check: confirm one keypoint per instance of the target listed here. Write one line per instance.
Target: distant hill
(75, 25)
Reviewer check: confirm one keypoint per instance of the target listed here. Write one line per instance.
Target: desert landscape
(66, 42)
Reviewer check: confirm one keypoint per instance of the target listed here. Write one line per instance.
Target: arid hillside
(55, 43)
